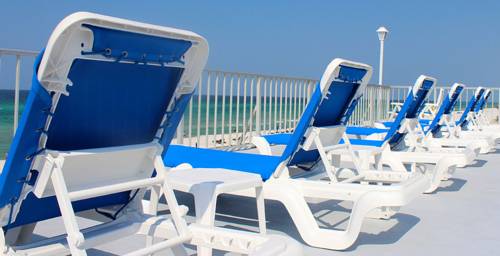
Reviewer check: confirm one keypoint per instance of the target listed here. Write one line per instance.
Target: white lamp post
(382, 34)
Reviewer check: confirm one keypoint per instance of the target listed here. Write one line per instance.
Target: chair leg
(205, 205)
(261, 209)
(154, 200)
(74, 236)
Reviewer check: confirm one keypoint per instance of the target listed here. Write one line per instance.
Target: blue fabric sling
(111, 103)
(333, 109)
(462, 122)
(446, 108)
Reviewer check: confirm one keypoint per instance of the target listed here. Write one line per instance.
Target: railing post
(16, 93)
(498, 105)
(257, 106)
(372, 107)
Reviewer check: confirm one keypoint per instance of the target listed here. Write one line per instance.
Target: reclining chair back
(446, 108)
(474, 100)
(482, 102)
(411, 108)
(332, 103)
(101, 82)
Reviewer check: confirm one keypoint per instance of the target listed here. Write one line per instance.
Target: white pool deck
(462, 218)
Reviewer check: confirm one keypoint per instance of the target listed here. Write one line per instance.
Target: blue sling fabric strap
(482, 101)
(462, 122)
(109, 104)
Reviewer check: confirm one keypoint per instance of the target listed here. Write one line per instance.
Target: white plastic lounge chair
(436, 131)
(377, 148)
(329, 108)
(104, 102)
(480, 117)
(409, 144)
(427, 135)
(418, 139)
(472, 123)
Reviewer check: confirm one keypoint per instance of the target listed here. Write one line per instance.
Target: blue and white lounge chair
(467, 127)
(443, 115)
(329, 108)
(409, 142)
(104, 103)
(475, 123)
(379, 148)
(436, 132)
(481, 118)
(428, 132)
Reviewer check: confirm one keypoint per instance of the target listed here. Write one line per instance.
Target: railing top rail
(277, 76)
(261, 75)
(440, 87)
(17, 52)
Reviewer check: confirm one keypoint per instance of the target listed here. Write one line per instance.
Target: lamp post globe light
(382, 34)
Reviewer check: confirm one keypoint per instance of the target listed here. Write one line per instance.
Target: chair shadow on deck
(477, 163)
(451, 185)
(404, 223)
(240, 213)
(92, 252)
(497, 150)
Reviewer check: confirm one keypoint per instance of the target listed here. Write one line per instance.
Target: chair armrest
(262, 145)
(383, 125)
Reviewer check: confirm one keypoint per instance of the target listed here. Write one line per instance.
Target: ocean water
(7, 117)
(207, 118)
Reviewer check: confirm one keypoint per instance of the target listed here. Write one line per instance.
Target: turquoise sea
(199, 112)
(7, 117)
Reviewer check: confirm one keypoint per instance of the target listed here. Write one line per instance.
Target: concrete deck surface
(461, 218)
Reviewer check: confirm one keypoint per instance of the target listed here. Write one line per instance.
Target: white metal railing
(229, 107)
(398, 94)
(18, 55)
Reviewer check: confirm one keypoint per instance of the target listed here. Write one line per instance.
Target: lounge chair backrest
(478, 93)
(411, 108)
(484, 99)
(446, 107)
(332, 102)
(102, 82)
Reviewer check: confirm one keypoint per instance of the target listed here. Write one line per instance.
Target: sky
(454, 41)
